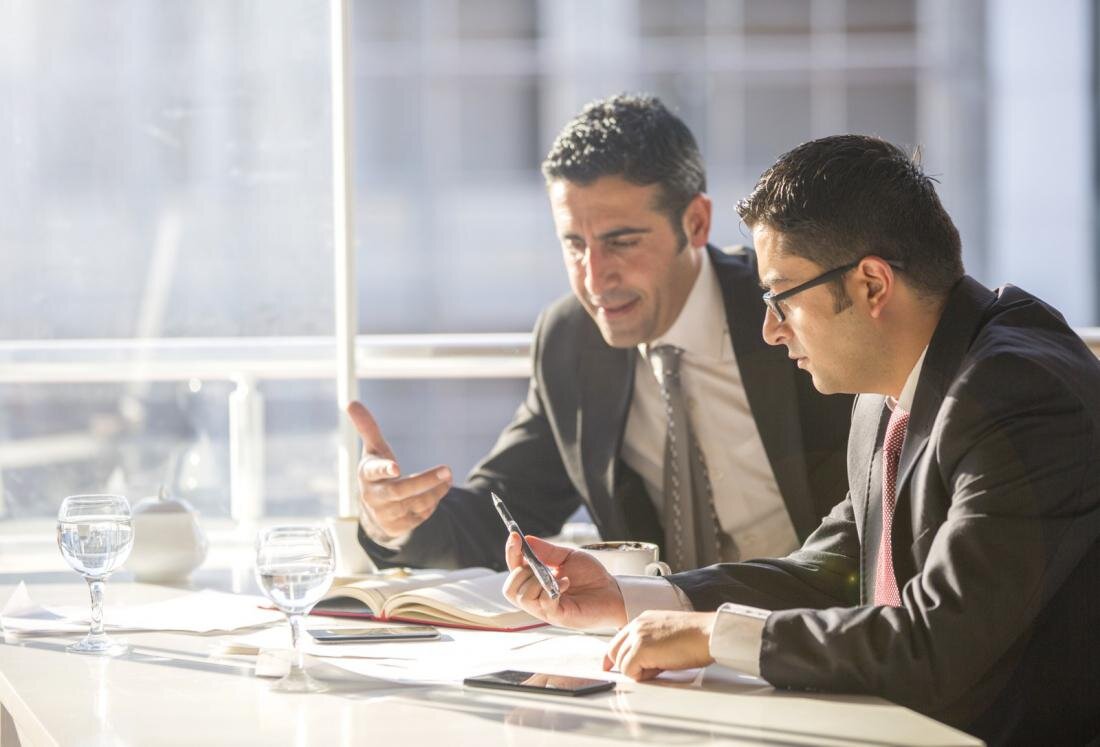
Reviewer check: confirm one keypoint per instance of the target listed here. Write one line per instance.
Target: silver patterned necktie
(691, 524)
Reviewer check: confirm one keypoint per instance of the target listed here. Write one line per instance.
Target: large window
(166, 206)
(165, 194)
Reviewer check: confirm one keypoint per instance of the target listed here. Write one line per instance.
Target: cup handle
(658, 568)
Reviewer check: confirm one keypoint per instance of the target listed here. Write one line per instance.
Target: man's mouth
(617, 310)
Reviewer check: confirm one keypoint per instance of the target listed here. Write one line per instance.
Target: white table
(172, 689)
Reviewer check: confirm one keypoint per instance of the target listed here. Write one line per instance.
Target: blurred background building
(166, 231)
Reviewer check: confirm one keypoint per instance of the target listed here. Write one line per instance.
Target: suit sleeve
(824, 572)
(524, 467)
(1015, 452)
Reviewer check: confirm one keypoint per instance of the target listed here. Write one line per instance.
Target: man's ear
(876, 282)
(696, 220)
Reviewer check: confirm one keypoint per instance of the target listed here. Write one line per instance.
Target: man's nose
(774, 331)
(599, 272)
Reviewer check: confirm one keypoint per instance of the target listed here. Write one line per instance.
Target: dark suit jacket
(562, 446)
(995, 540)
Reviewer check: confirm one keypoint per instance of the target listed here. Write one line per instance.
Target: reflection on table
(179, 688)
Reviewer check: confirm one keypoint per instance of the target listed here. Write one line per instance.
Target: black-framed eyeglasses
(774, 300)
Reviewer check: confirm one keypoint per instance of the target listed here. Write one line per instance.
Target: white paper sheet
(193, 612)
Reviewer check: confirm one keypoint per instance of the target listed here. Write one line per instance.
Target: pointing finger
(367, 426)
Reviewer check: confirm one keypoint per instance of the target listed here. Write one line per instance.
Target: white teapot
(168, 542)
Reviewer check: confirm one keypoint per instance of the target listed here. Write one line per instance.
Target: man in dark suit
(762, 456)
(960, 575)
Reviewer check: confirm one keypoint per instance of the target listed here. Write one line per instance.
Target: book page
(374, 590)
(477, 601)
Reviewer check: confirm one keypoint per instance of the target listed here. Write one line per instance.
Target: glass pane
(497, 127)
(681, 18)
(881, 16)
(497, 19)
(886, 109)
(131, 438)
(167, 169)
(766, 17)
(442, 421)
(134, 438)
(778, 118)
(167, 176)
(385, 20)
(685, 94)
(472, 259)
(388, 130)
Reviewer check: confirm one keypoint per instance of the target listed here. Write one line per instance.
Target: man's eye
(622, 243)
(575, 249)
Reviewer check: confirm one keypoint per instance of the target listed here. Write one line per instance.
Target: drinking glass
(95, 536)
(294, 568)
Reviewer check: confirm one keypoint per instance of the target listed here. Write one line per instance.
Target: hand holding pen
(542, 573)
(587, 596)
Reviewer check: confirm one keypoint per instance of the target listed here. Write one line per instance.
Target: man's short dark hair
(636, 138)
(843, 197)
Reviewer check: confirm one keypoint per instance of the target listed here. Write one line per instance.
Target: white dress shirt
(747, 500)
(738, 632)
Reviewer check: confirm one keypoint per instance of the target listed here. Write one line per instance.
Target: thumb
(367, 426)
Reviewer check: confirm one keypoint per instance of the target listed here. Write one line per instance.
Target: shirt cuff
(641, 593)
(378, 537)
(737, 637)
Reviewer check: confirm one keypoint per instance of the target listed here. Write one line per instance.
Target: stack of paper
(193, 612)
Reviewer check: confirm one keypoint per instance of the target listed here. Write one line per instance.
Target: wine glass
(95, 536)
(294, 568)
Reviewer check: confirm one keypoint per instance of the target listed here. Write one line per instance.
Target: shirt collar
(701, 328)
(909, 391)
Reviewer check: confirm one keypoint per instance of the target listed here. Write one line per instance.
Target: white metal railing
(416, 356)
(247, 362)
(443, 356)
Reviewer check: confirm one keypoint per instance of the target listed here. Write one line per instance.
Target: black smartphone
(556, 684)
(367, 635)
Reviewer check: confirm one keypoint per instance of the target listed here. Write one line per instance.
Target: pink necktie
(886, 585)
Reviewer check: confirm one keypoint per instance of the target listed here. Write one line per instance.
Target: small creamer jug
(168, 542)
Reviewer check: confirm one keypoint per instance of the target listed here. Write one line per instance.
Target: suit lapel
(959, 323)
(769, 382)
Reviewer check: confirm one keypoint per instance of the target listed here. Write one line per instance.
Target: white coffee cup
(627, 558)
(351, 558)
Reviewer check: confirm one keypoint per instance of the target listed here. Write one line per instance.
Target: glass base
(98, 645)
(298, 681)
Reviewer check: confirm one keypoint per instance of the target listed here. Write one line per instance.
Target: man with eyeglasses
(960, 576)
(653, 401)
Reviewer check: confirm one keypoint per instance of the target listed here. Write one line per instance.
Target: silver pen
(542, 573)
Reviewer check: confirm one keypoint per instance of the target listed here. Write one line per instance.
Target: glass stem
(95, 589)
(295, 639)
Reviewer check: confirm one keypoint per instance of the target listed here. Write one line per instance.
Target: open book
(468, 598)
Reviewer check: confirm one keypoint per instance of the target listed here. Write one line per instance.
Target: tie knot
(669, 357)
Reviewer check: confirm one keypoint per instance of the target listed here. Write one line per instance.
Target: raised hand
(390, 502)
(590, 597)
